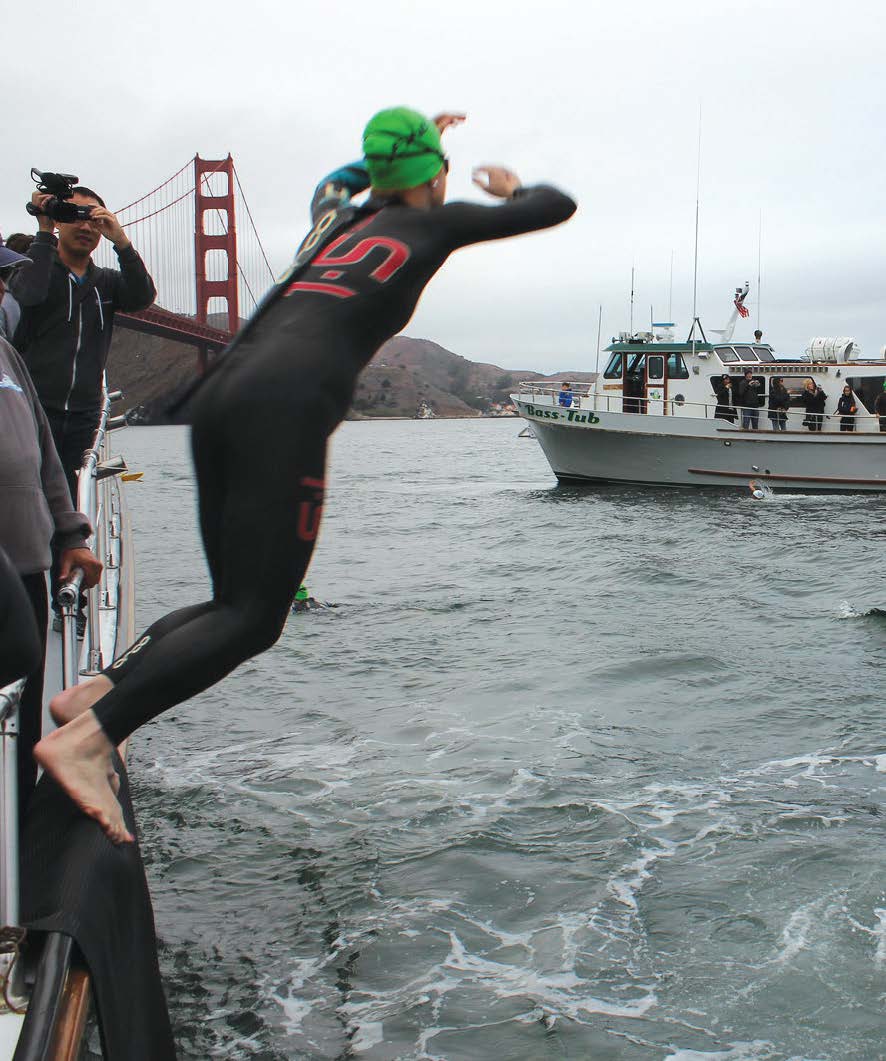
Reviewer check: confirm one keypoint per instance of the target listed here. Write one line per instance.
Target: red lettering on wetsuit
(311, 511)
(397, 255)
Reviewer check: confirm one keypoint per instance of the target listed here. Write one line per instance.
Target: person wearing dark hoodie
(779, 403)
(814, 399)
(289, 378)
(67, 316)
(725, 409)
(847, 408)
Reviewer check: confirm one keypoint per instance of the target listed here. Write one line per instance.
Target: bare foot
(69, 704)
(78, 756)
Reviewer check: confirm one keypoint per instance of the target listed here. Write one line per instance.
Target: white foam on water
(366, 1036)
(880, 764)
(563, 992)
(878, 932)
(295, 1005)
(742, 1051)
(845, 610)
(796, 933)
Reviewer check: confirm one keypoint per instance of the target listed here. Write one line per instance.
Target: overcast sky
(602, 100)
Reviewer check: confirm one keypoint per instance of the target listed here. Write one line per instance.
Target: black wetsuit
(262, 419)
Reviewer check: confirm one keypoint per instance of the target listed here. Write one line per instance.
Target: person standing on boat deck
(847, 409)
(814, 399)
(725, 399)
(31, 474)
(565, 396)
(67, 316)
(748, 398)
(880, 407)
(288, 378)
(779, 403)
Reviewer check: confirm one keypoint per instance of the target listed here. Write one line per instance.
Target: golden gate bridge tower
(206, 272)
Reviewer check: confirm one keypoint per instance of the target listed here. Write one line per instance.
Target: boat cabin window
(764, 354)
(726, 354)
(745, 353)
(677, 367)
(655, 367)
(613, 369)
(866, 389)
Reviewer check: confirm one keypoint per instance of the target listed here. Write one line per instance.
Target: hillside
(403, 374)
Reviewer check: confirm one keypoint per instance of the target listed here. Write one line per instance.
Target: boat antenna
(695, 320)
(599, 330)
(632, 301)
(671, 290)
(759, 259)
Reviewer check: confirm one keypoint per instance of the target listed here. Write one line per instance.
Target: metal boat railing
(94, 500)
(584, 397)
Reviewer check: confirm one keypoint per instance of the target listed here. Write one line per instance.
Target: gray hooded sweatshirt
(35, 503)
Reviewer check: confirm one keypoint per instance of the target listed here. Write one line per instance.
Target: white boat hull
(587, 445)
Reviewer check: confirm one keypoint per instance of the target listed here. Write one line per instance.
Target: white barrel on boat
(826, 349)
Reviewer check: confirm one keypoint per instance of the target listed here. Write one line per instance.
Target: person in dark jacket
(67, 316)
(747, 396)
(779, 403)
(725, 400)
(814, 399)
(880, 407)
(847, 408)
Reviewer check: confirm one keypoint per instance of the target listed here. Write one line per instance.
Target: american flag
(739, 303)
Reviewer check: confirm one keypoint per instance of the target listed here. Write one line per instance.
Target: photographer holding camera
(68, 306)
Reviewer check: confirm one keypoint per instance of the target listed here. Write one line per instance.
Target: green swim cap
(402, 149)
(301, 592)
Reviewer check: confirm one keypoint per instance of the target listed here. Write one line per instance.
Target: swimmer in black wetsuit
(262, 418)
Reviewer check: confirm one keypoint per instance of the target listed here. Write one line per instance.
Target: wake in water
(847, 610)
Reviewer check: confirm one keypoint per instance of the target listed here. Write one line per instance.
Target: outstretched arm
(524, 209)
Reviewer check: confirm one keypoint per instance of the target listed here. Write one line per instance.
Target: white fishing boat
(43, 1012)
(649, 417)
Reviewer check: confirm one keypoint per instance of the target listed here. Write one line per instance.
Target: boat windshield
(726, 354)
(745, 353)
(613, 369)
(764, 354)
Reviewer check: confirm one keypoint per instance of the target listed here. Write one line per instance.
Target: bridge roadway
(167, 325)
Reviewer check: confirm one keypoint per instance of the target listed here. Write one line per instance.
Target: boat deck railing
(585, 397)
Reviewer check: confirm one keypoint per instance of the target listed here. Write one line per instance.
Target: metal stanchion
(10, 968)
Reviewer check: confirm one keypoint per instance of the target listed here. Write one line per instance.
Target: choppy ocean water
(568, 773)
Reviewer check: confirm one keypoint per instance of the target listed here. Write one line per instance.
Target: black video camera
(61, 187)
